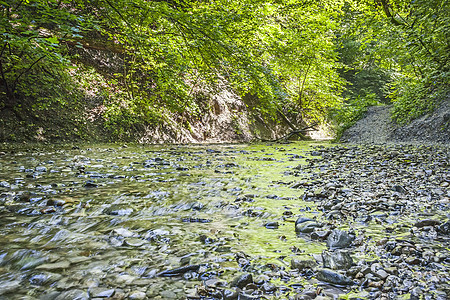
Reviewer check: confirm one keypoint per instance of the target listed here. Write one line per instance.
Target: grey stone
(101, 292)
(54, 266)
(339, 239)
(303, 264)
(242, 280)
(73, 295)
(4, 184)
(9, 286)
(41, 169)
(138, 295)
(337, 260)
(305, 225)
(333, 277)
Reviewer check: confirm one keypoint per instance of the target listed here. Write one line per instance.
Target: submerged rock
(137, 295)
(7, 287)
(179, 271)
(4, 184)
(54, 266)
(41, 169)
(118, 210)
(444, 228)
(73, 295)
(44, 278)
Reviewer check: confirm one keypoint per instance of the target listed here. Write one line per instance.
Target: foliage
(31, 47)
(297, 58)
(412, 42)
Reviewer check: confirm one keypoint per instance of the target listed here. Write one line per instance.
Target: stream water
(108, 216)
(107, 221)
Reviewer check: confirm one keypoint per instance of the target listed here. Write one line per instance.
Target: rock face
(377, 127)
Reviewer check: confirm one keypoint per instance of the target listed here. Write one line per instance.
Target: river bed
(262, 221)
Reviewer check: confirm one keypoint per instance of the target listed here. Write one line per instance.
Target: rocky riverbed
(291, 221)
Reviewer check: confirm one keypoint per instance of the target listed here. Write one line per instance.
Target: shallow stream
(107, 216)
(108, 221)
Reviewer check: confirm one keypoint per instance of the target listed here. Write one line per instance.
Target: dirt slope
(377, 127)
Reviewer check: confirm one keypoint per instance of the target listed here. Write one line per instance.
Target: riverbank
(376, 127)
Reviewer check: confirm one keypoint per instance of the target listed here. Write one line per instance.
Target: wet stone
(9, 286)
(118, 210)
(54, 266)
(245, 296)
(101, 292)
(49, 296)
(427, 222)
(73, 295)
(303, 264)
(306, 225)
(444, 228)
(124, 232)
(230, 294)
(242, 280)
(337, 260)
(41, 169)
(125, 279)
(138, 295)
(44, 278)
(381, 274)
(339, 239)
(134, 242)
(271, 225)
(268, 287)
(320, 234)
(4, 184)
(168, 294)
(333, 277)
(90, 184)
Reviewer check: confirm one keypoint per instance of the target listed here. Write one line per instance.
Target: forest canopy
(310, 60)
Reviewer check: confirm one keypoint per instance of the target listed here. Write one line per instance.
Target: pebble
(134, 242)
(54, 266)
(4, 184)
(41, 169)
(168, 295)
(9, 286)
(101, 292)
(138, 295)
(271, 225)
(73, 295)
